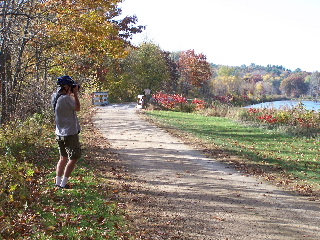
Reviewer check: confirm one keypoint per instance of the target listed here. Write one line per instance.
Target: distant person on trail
(65, 104)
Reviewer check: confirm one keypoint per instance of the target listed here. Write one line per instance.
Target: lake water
(310, 105)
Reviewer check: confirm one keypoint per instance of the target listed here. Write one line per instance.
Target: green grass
(85, 212)
(296, 156)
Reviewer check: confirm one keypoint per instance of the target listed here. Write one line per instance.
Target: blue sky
(234, 32)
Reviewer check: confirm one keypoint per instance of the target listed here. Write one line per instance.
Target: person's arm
(76, 98)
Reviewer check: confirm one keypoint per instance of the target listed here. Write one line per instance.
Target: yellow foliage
(259, 87)
(83, 29)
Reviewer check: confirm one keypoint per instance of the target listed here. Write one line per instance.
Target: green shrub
(14, 191)
(20, 144)
(185, 107)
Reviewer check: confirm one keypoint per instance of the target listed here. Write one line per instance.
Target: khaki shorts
(69, 146)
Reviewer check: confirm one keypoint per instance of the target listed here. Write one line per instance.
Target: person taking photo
(66, 103)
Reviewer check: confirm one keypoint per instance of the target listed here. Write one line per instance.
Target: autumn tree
(228, 81)
(171, 86)
(86, 36)
(40, 39)
(294, 85)
(274, 82)
(314, 84)
(195, 70)
(20, 57)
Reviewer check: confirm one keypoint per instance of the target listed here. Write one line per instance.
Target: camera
(74, 85)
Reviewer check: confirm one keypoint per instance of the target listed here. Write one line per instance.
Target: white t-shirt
(66, 118)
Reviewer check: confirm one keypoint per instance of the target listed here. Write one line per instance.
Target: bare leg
(61, 166)
(67, 172)
(69, 168)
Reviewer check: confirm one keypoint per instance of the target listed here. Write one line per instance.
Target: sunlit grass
(83, 212)
(295, 156)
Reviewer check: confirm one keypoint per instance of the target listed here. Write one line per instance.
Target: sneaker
(67, 186)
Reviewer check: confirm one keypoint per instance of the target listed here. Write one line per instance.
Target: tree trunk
(3, 89)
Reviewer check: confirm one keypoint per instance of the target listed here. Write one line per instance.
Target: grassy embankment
(284, 159)
(32, 208)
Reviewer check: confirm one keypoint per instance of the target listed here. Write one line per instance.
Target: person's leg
(62, 161)
(60, 169)
(74, 152)
(70, 166)
(67, 172)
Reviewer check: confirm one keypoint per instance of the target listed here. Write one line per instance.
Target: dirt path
(177, 193)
